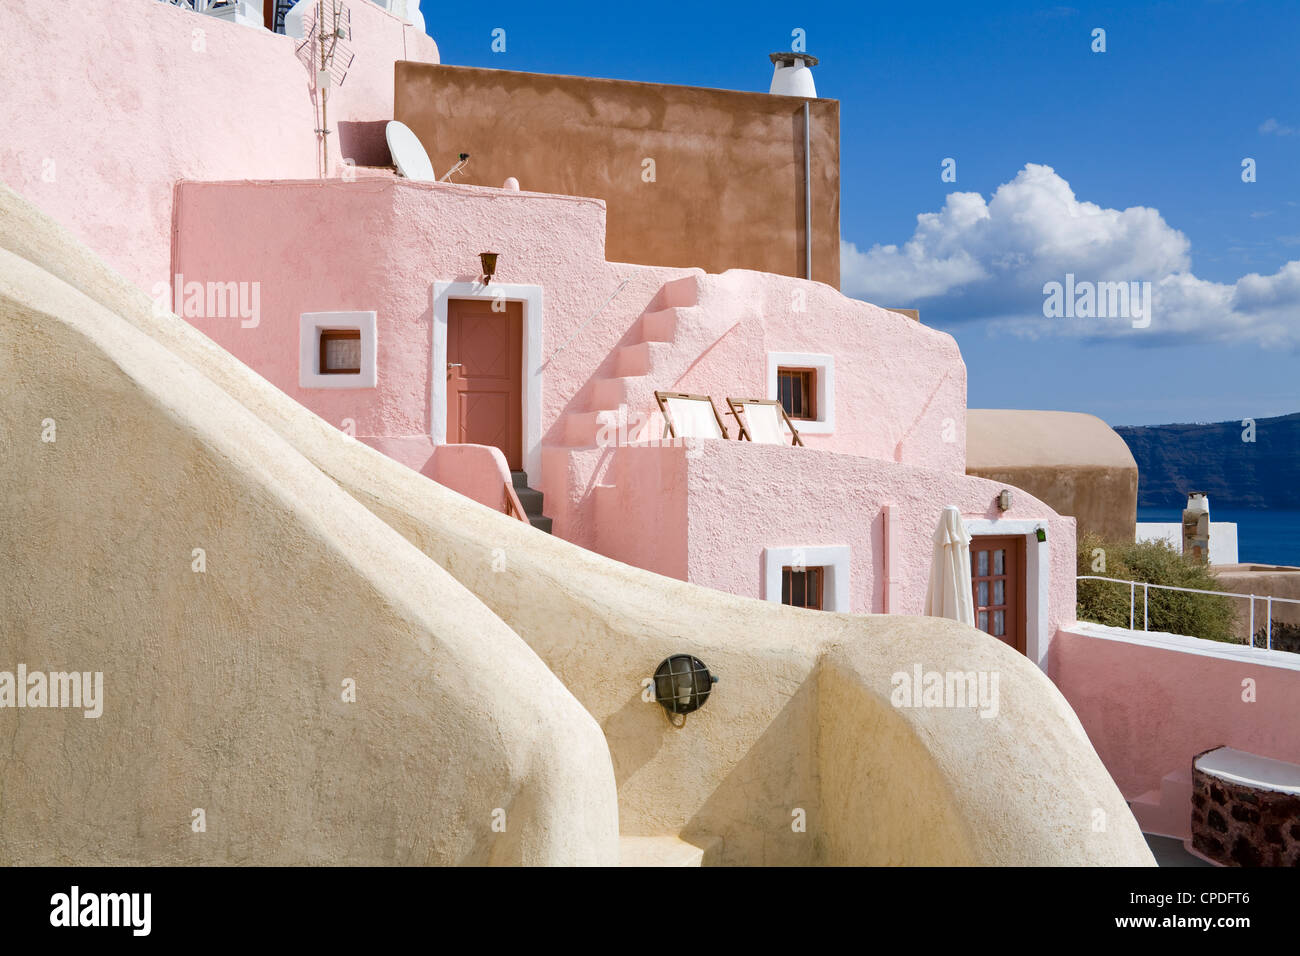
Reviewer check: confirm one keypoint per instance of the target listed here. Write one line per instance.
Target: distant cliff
(1175, 459)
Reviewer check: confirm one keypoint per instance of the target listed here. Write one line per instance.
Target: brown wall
(1268, 581)
(728, 189)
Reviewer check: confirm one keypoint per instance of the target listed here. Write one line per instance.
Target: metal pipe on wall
(807, 190)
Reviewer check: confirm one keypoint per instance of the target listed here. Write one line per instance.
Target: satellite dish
(408, 155)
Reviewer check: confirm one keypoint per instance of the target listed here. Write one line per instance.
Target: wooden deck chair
(760, 421)
(690, 416)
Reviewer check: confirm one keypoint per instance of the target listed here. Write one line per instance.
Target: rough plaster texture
(900, 387)
(961, 753)
(758, 749)
(731, 488)
(224, 689)
(1150, 703)
(152, 94)
(256, 232)
(728, 186)
(1074, 462)
(479, 472)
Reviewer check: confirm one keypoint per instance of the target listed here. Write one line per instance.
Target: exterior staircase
(668, 340)
(664, 343)
(531, 499)
(1168, 810)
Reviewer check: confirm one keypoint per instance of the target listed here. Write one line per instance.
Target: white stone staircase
(1167, 811)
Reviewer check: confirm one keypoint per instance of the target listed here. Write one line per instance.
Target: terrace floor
(1169, 851)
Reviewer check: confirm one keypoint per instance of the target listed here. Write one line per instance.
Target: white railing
(1132, 602)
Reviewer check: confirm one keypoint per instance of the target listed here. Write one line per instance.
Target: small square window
(802, 587)
(337, 350)
(340, 352)
(797, 392)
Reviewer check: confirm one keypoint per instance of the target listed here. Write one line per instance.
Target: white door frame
(531, 297)
(1038, 565)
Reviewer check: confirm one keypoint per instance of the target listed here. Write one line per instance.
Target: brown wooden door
(997, 569)
(485, 376)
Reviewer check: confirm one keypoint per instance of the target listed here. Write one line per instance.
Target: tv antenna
(324, 48)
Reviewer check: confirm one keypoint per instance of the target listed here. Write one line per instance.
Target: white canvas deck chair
(761, 421)
(690, 416)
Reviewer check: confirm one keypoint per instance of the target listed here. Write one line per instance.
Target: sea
(1263, 537)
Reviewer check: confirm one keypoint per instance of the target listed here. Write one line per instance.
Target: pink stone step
(581, 428)
(612, 392)
(640, 358)
(680, 292)
(659, 326)
(1168, 810)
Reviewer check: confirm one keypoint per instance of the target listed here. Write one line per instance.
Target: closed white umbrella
(949, 593)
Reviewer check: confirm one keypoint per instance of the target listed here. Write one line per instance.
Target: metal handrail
(1132, 596)
(513, 506)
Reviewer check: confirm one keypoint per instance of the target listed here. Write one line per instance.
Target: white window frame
(833, 558)
(312, 324)
(824, 366)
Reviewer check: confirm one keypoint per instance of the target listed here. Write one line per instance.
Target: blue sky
(1014, 93)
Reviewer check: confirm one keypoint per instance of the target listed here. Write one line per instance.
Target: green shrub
(1153, 562)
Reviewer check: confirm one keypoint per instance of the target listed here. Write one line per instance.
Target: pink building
(554, 362)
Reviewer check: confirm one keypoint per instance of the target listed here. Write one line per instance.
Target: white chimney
(1196, 526)
(792, 76)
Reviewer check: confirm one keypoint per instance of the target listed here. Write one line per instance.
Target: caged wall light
(489, 260)
(681, 685)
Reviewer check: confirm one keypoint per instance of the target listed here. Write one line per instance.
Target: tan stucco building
(1074, 462)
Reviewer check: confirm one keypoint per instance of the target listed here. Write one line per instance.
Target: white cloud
(1271, 125)
(990, 260)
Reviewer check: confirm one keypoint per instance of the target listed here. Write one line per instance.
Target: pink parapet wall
(706, 510)
(160, 94)
(1150, 703)
(479, 472)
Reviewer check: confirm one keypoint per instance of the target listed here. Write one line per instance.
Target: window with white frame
(804, 384)
(814, 576)
(337, 350)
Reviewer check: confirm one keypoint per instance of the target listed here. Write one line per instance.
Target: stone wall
(1238, 825)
